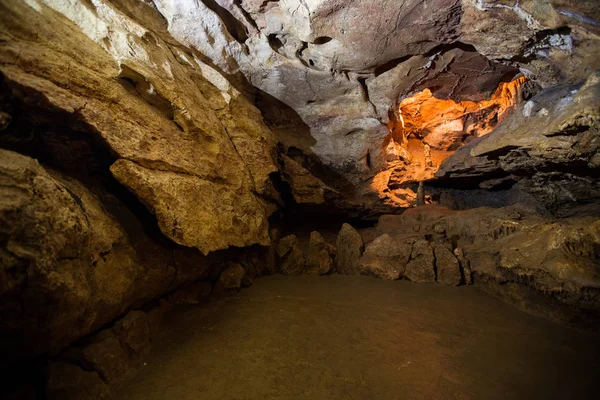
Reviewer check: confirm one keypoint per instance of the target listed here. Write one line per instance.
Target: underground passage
(300, 199)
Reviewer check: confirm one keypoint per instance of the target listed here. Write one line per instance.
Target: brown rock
(232, 277)
(464, 265)
(421, 264)
(106, 356)
(320, 255)
(349, 247)
(306, 189)
(133, 332)
(193, 293)
(385, 258)
(156, 316)
(70, 382)
(197, 212)
(291, 257)
(448, 270)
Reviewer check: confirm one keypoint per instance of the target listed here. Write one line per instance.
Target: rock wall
(344, 65)
(548, 149)
(170, 121)
(106, 99)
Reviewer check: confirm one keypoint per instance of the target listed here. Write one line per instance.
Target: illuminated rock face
(446, 124)
(428, 130)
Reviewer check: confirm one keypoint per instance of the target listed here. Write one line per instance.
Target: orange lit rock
(428, 130)
(446, 125)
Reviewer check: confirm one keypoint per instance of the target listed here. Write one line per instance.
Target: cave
(295, 199)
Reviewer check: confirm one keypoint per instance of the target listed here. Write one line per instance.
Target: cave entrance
(427, 130)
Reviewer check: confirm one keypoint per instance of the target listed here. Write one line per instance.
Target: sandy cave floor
(347, 337)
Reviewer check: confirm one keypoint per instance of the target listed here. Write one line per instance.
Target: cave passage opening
(426, 130)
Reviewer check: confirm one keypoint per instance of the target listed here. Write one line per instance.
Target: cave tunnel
(297, 199)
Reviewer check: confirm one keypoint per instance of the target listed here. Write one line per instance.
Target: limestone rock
(464, 265)
(291, 257)
(306, 189)
(67, 268)
(545, 267)
(448, 270)
(421, 264)
(320, 255)
(133, 332)
(179, 147)
(385, 258)
(232, 277)
(196, 212)
(556, 127)
(349, 247)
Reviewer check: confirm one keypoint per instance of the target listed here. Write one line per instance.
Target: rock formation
(152, 153)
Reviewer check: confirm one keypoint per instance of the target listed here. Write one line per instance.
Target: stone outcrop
(320, 255)
(291, 256)
(232, 277)
(343, 66)
(173, 123)
(68, 267)
(548, 148)
(385, 258)
(349, 247)
(421, 266)
(447, 266)
(544, 266)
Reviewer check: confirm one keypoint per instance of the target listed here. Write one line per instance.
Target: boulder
(232, 277)
(133, 332)
(447, 266)
(320, 255)
(349, 247)
(109, 358)
(420, 268)
(385, 258)
(291, 257)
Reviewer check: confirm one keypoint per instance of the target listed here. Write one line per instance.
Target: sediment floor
(356, 337)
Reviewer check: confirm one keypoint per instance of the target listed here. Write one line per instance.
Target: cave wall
(342, 65)
(156, 168)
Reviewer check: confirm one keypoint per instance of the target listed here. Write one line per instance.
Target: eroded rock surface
(349, 247)
(291, 256)
(385, 258)
(174, 123)
(549, 148)
(320, 255)
(545, 266)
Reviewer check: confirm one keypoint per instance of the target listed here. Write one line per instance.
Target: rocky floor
(356, 337)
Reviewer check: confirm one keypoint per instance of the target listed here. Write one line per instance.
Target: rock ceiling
(343, 65)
